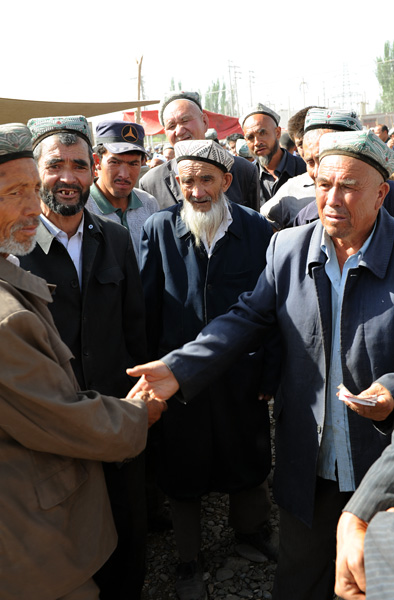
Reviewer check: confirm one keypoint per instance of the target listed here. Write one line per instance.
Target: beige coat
(56, 526)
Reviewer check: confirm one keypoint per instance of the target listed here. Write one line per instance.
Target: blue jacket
(220, 441)
(293, 295)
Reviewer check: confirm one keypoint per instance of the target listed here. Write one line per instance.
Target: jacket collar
(378, 254)
(24, 281)
(45, 237)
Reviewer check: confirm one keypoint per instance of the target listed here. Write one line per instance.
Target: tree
(385, 76)
(212, 97)
(173, 87)
(216, 98)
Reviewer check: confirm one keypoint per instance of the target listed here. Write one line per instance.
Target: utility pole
(138, 111)
(303, 84)
(251, 81)
(231, 88)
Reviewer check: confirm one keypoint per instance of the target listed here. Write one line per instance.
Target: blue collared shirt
(335, 458)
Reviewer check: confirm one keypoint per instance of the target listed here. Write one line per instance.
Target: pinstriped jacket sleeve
(376, 491)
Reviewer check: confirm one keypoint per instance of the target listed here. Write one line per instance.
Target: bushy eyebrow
(77, 161)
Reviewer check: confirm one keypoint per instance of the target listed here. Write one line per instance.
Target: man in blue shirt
(327, 289)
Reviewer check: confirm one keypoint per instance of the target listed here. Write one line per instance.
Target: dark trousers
(122, 576)
(248, 511)
(306, 565)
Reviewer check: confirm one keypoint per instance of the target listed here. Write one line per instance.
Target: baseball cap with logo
(120, 136)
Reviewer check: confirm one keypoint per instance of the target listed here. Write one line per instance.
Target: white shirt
(72, 245)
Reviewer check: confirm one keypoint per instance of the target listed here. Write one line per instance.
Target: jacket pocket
(61, 484)
(112, 275)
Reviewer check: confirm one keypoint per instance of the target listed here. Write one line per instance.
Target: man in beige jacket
(55, 519)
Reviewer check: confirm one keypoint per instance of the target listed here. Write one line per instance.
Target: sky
(285, 54)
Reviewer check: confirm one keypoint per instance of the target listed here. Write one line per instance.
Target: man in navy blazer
(328, 290)
(196, 258)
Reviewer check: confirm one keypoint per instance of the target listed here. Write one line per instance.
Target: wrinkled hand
(350, 574)
(382, 408)
(155, 378)
(155, 407)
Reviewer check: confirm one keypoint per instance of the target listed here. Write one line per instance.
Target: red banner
(223, 124)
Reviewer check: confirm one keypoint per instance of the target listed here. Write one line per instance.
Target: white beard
(205, 224)
(11, 246)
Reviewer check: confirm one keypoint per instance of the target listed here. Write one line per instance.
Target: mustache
(122, 180)
(32, 222)
(66, 186)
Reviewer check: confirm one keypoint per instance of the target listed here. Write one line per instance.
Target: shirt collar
(55, 231)
(328, 248)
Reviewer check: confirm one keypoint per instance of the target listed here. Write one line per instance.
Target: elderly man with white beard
(196, 257)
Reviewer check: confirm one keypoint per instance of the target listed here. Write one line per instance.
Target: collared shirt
(72, 245)
(222, 229)
(13, 259)
(107, 208)
(267, 181)
(335, 457)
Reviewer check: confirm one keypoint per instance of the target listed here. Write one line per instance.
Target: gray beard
(205, 224)
(11, 246)
(264, 161)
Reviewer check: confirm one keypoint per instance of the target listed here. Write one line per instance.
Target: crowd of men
(222, 276)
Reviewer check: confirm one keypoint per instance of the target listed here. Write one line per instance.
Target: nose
(334, 196)
(124, 171)
(32, 203)
(67, 175)
(179, 129)
(198, 191)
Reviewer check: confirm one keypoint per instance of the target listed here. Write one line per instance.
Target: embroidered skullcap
(242, 148)
(121, 136)
(159, 157)
(168, 146)
(46, 126)
(364, 145)
(15, 142)
(205, 151)
(338, 120)
(171, 96)
(260, 109)
(211, 134)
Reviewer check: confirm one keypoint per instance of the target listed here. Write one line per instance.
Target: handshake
(155, 407)
(155, 386)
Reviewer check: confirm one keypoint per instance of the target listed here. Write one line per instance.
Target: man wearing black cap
(56, 525)
(183, 118)
(98, 310)
(276, 165)
(119, 151)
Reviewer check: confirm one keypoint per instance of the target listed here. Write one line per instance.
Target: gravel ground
(228, 576)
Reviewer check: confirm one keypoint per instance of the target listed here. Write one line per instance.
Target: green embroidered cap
(15, 142)
(364, 145)
(46, 126)
(338, 120)
(260, 109)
